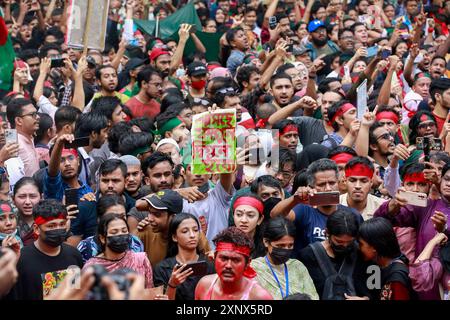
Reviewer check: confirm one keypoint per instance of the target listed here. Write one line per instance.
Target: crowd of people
(95, 153)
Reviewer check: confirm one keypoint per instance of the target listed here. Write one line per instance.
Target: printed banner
(214, 142)
(78, 24)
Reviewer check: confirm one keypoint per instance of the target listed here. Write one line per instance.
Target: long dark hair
(102, 229)
(277, 228)
(172, 249)
(342, 222)
(378, 233)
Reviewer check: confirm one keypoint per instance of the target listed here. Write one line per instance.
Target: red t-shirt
(440, 123)
(139, 109)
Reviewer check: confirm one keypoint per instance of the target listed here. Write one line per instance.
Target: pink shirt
(28, 154)
(136, 261)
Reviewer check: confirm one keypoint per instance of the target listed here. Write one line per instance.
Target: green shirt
(299, 279)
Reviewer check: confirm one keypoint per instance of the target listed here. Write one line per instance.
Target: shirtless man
(234, 278)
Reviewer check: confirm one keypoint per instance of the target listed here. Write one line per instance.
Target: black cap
(133, 63)
(91, 62)
(166, 200)
(197, 68)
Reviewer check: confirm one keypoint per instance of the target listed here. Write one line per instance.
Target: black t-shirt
(359, 275)
(185, 291)
(33, 265)
(310, 130)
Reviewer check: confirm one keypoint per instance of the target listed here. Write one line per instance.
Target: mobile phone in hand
(199, 268)
(71, 195)
(324, 198)
(273, 22)
(11, 136)
(78, 142)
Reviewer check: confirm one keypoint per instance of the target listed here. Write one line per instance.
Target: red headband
(359, 170)
(289, 128)
(249, 201)
(388, 115)
(70, 151)
(343, 109)
(415, 177)
(41, 220)
(245, 251)
(342, 158)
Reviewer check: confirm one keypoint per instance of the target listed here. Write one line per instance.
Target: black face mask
(269, 204)
(342, 251)
(280, 255)
(54, 238)
(118, 244)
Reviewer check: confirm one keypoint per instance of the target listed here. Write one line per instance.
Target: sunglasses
(225, 90)
(203, 102)
(385, 136)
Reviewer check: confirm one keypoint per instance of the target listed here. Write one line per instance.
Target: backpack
(336, 283)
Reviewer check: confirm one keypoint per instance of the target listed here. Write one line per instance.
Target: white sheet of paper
(361, 99)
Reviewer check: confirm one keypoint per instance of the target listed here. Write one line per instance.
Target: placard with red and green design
(214, 142)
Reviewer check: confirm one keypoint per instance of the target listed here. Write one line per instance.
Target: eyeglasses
(158, 85)
(386, 136)
(225, 90)
(203, 102)
(34, 115)
(430, 125)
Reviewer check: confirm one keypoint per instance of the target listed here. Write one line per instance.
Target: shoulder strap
(323, 259)
(348, 265)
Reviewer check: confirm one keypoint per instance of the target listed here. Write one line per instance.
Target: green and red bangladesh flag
(7, 56)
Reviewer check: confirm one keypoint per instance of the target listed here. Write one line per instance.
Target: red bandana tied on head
(249, 201)
(41, 220)
(387, 115)
(245, 251)
(342, 158)
(343, 109)
(66, 152)
(359, 170)
(289, 128)
(415, 177)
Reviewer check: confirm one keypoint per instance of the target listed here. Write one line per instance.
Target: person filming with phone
(63, 171)
(426, 220)
(311, 206)
(185, 264)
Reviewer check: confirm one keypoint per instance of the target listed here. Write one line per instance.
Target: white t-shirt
(212, 211)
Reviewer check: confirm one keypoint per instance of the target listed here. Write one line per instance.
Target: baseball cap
(314, 25)
(166, 200)
(157, 52)
(196, 68)
(299, 50)
(133, 63)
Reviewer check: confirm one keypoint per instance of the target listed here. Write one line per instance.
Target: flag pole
(86, 28)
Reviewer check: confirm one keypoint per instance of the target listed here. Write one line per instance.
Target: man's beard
(319, 43)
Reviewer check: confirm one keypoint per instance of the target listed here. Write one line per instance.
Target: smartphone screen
(199, 268)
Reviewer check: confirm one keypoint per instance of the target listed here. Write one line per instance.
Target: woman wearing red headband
(235, 278)
(248, 216)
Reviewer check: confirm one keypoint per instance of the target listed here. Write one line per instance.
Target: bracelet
(173, 287)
